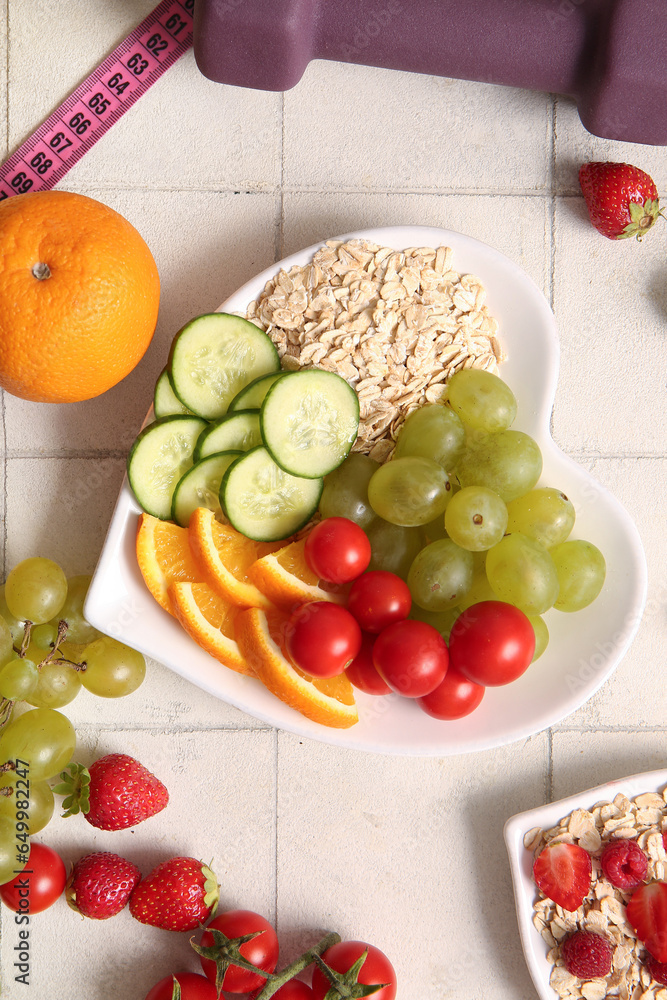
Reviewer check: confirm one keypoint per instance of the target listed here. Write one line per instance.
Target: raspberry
(657, 969)
(587, 955)
(624, 864)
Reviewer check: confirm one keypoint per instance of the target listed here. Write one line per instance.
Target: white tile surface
(220, 182)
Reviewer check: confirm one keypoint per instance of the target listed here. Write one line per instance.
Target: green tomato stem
(290, 971)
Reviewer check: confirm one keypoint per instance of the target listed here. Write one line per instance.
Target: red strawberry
(100, 884)
(624, 863)
(647, 913)
(587, 955)
(177, 895)
(116, 793)
(563, 873)
(622, 200)
(657, 969)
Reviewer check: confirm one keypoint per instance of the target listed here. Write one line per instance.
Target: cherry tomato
(412, 657)
(293, 989)
(362, 671)
(492, 643)
(261, 951)
(193, 987)
(454, 697)
(376, 969)
(337, 550)
(322, 638)
(378, 599)
(39, 885)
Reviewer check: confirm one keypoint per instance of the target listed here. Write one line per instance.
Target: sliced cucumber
(165, 400)
(161, 454)
(237, 431)
(264, 502)
(213, 357)
(252, 396)
(309, 421)
(200, 486)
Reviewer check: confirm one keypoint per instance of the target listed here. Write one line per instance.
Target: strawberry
(647, 913)
(116, 793)
(177, 895)
(563, 873)
(622, 200)
(100, 884)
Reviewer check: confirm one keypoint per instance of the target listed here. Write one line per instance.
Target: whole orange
(79, 296)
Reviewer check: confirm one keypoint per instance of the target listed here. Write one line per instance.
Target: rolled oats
(397, 322)
(604, 909)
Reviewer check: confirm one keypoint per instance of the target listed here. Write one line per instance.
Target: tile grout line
(276, 754)
(280, 235)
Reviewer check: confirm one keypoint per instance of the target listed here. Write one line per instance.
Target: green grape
(440, 575)
(6, 642)
(36, 589)
(345, 492)
(581, 571)
(392, 547)
(409, 491)
(481, 399)
(44, 636)
(14, 847)
(15, 624)
(434, 432)
(18, 679)
(440, 620)
(112, 669)
(78, 629)
(522, 572)
(36, 807)
(541, 631)
(41, 737)
(480, 590)
(58, 685)
(509, 463)
(544, 514)
(476, 518)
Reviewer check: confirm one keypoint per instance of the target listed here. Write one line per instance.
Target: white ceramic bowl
(584, 648)
(521, 860)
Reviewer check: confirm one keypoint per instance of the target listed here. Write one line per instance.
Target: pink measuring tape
(97, 103)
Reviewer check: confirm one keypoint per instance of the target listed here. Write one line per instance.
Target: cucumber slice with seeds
(160, 455)
(165, 400)
(309, 421)
(264, 502)
(252, 396)
(200, 486)
(237, 431)
(213, 357)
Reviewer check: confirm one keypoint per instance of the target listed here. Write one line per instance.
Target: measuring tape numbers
(97, 104)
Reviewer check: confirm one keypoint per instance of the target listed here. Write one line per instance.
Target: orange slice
(329, 701)
(224, 556)
(209, 621)
(164, 556)
(286, 579)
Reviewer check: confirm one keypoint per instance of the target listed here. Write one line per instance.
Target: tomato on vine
(347, 960)
(261, 951)
(39, 885)
(192, 986)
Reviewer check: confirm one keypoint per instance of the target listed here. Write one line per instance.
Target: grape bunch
(48, 652)
(458, 514)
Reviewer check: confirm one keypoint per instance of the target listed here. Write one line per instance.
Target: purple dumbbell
(609, 55)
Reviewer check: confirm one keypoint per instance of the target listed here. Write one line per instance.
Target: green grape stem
(6, 708)
(27, 629)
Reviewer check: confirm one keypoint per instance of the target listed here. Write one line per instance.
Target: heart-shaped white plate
(584, 647)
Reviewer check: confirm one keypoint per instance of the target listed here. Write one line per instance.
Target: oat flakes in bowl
(395, 323)
(632, 809)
